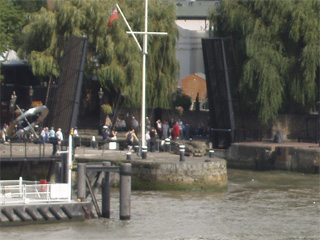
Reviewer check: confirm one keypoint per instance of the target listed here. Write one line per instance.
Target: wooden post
(125, 191)
(58, 172)
(64, 167)
(106, 192)
(81, 181)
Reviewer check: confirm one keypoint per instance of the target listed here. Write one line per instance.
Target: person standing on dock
(53, 140)
(134, 124)
(180, 124)
(148, 139)
(153, 139)
(52, 133)
(187, 131)
(159, 128)
(131, 138)
(165, 130)
(59, 136)
(45, 134)
(175, 131)
(148, 124)
(4, 135)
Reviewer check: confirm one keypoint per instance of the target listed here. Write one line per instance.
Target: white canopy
(10, 57)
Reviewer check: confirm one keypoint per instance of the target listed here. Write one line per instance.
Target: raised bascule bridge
(35, 181)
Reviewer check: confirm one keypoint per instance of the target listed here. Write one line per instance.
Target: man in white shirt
(59, 136)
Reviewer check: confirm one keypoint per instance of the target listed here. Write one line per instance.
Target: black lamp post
(0, 103)
(13, 103)
(30, 91)
(100, 94)
(319, 119)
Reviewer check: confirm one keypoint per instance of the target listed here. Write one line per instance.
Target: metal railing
(19, 191)
(15, 150)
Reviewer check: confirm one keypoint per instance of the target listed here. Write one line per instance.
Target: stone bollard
(182, 151)
(136, 148)
(81, 181)
(211, 154)
(125, 191)
(106, 192)
(144, 152)
(93, 142)
(128, 156)
(167, 145)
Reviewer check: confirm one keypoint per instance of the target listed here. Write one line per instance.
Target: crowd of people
(173, 129)
(45, 136)
(53, 137)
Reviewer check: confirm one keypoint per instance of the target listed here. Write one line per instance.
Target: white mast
(144, 58)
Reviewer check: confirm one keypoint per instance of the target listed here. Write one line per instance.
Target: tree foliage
(277, 45)
(112, 55)
(182, 100)
(11, 22)
(30, 6)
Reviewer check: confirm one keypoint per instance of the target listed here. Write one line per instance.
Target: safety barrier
(19, 191)
(17, 150)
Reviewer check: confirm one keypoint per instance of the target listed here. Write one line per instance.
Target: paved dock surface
(303, 145)
(87, 152)
(288, 156)
(105, 155)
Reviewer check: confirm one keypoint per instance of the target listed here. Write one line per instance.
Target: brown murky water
(257, 205)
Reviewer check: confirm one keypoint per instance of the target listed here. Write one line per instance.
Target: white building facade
(189, 52)
(193, 26)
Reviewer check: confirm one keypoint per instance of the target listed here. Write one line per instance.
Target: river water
(257, 205)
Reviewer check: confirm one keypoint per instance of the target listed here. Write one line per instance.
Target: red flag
(114, 16)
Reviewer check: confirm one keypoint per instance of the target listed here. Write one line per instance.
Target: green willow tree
(277, 46)
(112, 55)
(11, 23)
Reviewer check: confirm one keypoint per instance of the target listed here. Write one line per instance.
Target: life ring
(42, 110)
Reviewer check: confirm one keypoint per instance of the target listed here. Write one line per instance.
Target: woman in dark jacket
(153, 139)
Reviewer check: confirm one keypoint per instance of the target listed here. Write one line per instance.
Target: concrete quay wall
(25, 149)
(297, 159)
(165, 171)
(267, 156)
(182, 175)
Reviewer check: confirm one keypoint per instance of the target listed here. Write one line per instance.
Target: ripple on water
(256, 206)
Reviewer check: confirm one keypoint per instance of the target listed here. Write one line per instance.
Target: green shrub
(182, 100)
